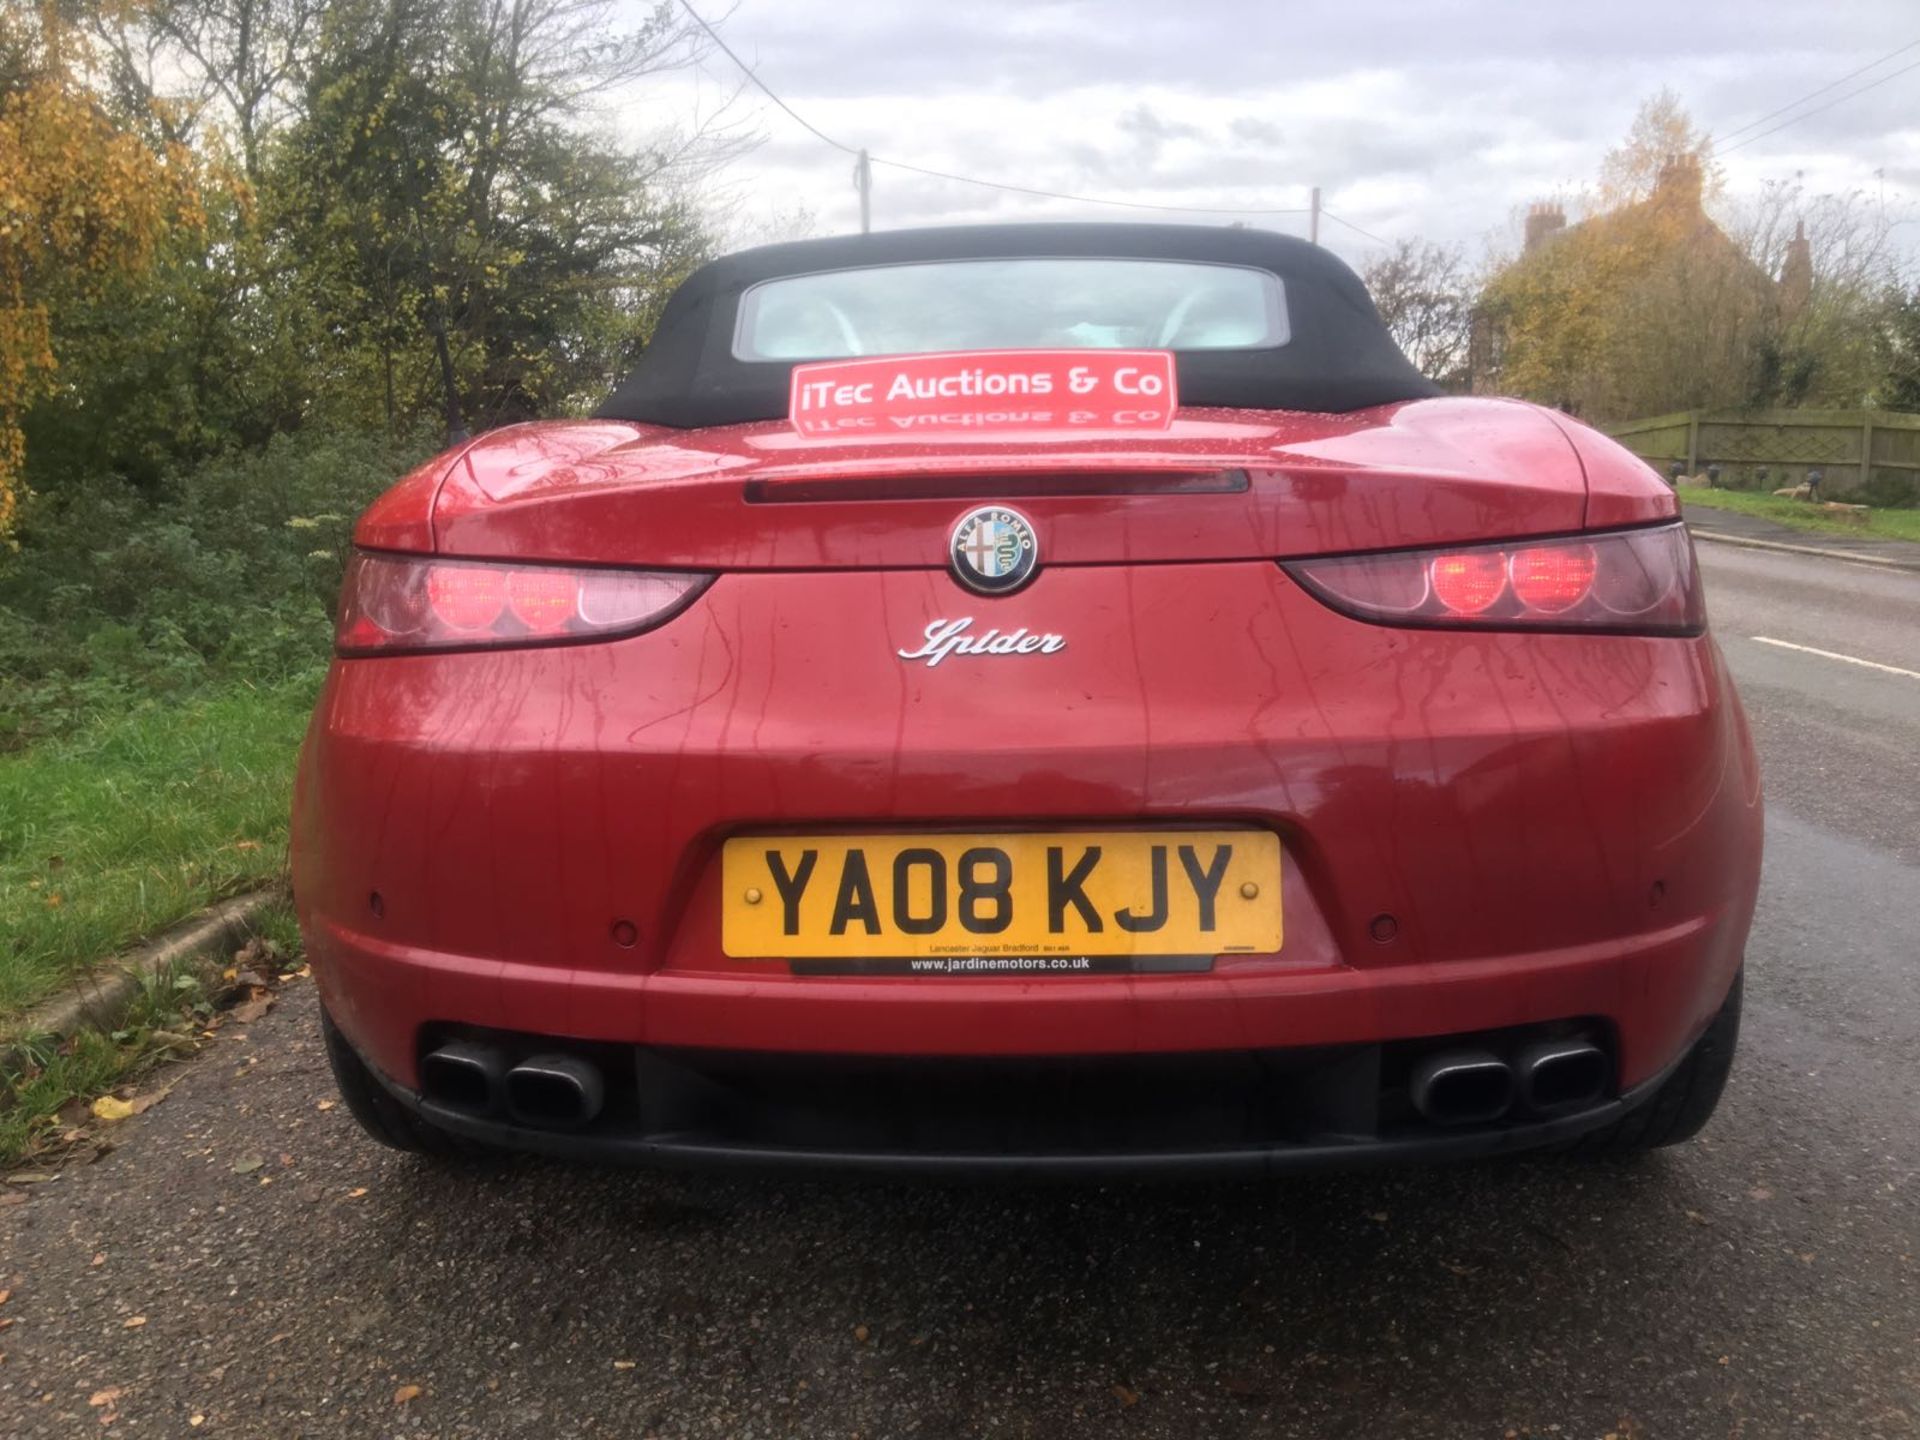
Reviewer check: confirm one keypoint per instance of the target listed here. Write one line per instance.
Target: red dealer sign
(986, 390)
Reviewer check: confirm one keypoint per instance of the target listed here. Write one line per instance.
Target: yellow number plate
(1094, 893)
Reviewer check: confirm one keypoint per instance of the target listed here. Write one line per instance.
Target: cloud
(1435, 118)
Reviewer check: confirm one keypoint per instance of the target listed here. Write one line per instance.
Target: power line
(1819, 109)
(1816, 94)
(761, 85)
(854, 150)
(1377, 239)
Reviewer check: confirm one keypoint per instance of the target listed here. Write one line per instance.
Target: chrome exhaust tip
(1462, 1087)
(1560, 1075)
(555, 1092)
(465, 1076)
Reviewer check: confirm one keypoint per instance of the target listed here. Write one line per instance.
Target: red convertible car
(1032, 699)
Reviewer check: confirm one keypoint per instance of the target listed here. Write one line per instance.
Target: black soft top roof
(1339, 355)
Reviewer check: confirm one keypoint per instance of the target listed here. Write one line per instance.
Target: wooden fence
(1871, 455)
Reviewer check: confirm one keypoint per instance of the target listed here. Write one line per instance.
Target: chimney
(1679, 182)
(1796, 274)
(1544, 221)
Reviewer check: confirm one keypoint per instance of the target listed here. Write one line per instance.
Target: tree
(1648, 305)
(84, 202)
(445, 197)
(1662, 133)
(239, 60)
(1897, 386)
(426, 216)
(1426, 298)
(1837, 265)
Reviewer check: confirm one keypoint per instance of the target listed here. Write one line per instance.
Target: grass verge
(133, 822)
(48, 1085)
(1799, 515)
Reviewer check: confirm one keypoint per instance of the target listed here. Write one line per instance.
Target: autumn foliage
(82, 200)
(257, 257)
(1664, 294)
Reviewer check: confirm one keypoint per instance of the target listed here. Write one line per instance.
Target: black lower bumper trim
(694, 1149)
(1249, 1163)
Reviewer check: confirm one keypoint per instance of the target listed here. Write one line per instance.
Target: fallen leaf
(111, 1109)
(55, 901)
(196, 1421)
(1379, 1217)
(356, 1192)
(5, 1295)
(1760, 1192)
(31, 1177)
(12, 1197)
(99, 1257)
(133, 1322)
(624, 1364)
(6, 1322)
(142, 1103)
(405, 1394)
(251, 1010)
(105, 1397)
(247, 1166)
(325, 1105)
(860, 1333)
(1127, 1398)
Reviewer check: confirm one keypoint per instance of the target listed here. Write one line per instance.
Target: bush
(1888, 489)
(228, 573)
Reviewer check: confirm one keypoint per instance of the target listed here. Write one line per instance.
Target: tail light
(1630, 582)
(396, 603)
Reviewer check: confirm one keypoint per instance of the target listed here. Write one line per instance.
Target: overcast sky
(1416, 117)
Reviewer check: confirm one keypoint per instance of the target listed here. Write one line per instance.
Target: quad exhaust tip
(1471, 1086)
(551, 1091)
(560, 1092)
(1462, 1087)
(464, 1076)
(1561, 1075)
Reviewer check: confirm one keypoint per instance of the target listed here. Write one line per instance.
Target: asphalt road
(1758, 1282)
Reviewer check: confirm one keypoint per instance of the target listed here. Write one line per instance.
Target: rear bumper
(1345, 1108)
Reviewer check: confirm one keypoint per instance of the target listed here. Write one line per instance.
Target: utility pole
(863, 182)
(1313, 215)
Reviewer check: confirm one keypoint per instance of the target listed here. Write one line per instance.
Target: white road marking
(1836, 655)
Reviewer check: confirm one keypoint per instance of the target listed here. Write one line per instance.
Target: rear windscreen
(1012, 304)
